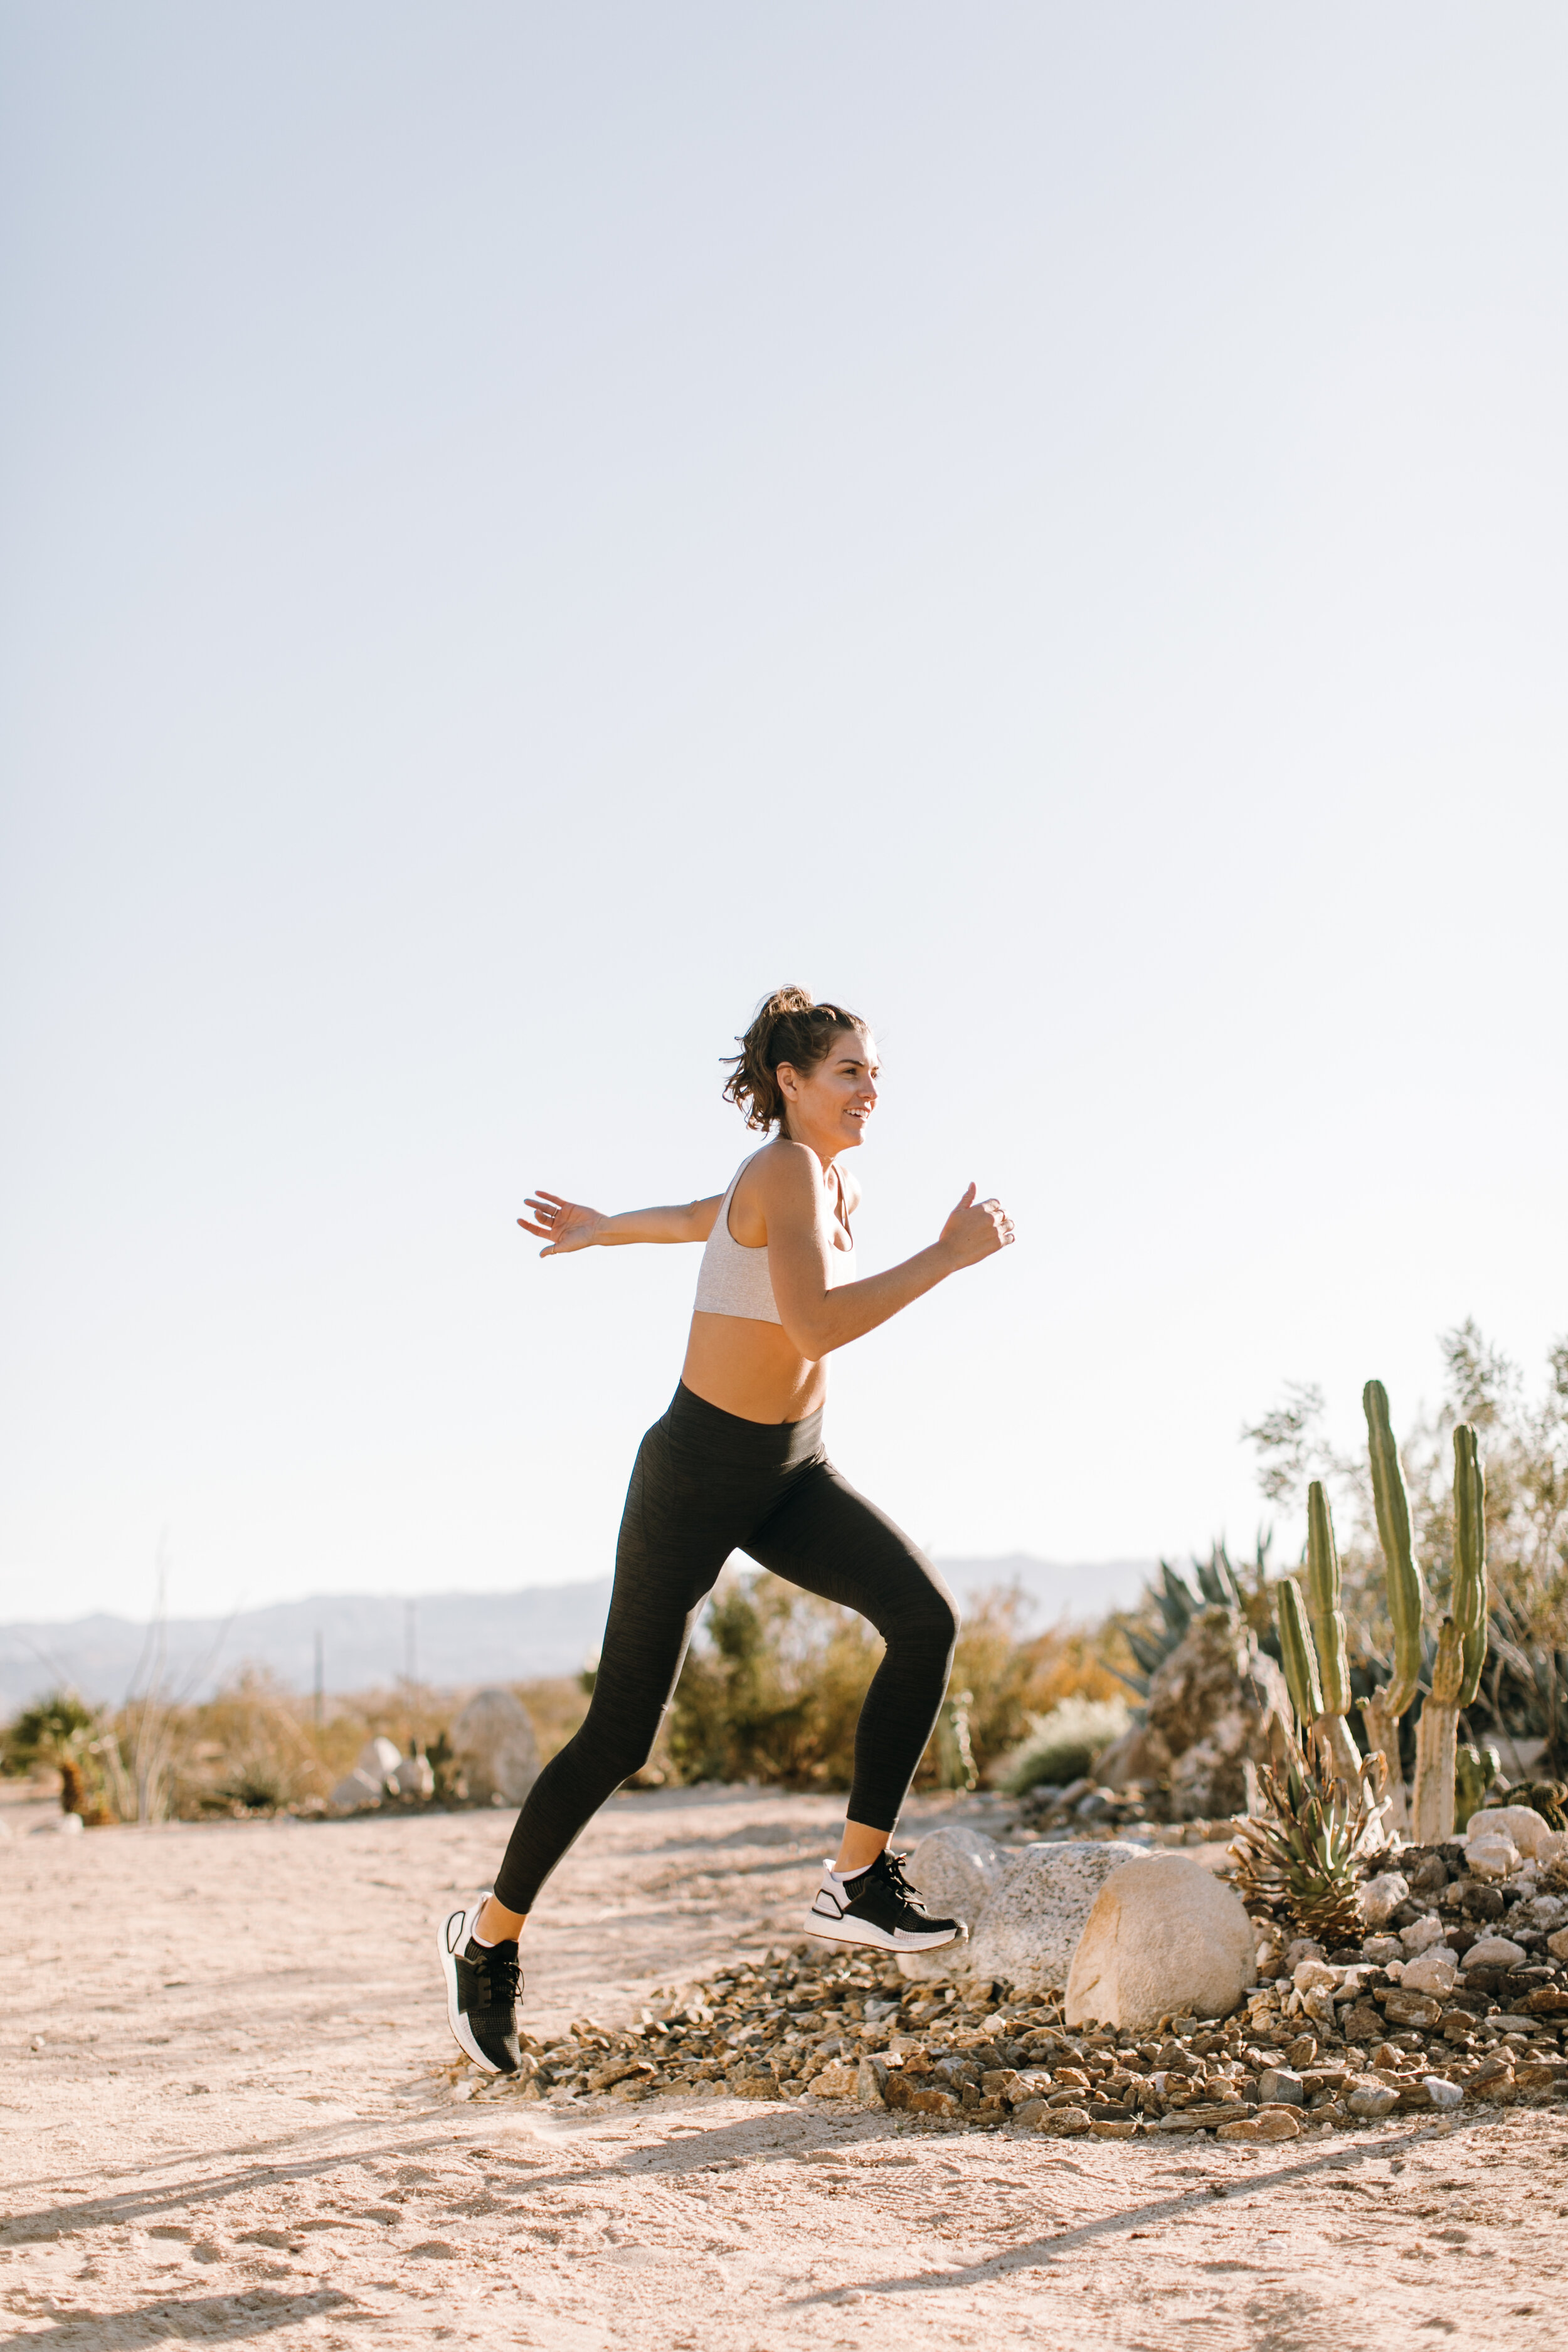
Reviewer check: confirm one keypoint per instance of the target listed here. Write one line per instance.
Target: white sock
(842, 1874)
(485, 1943)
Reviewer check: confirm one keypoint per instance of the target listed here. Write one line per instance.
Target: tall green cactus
(1300, 1659)
(1328, 1632)
(1461, 1649)
(1406, 1601)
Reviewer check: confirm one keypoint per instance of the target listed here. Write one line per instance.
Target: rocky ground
(230, 2111)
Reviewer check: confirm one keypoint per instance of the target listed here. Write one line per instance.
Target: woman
(737, 1463)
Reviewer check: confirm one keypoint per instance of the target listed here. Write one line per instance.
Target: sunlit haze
(527, 528)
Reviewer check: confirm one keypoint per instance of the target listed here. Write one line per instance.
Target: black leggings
(706, 1484)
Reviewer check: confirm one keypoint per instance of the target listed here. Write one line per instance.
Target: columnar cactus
(1295, 1651)
(1406, 1601)
(1328, 1632)
(1461, 1649)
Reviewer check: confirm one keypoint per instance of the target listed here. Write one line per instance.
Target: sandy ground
(226, 2115)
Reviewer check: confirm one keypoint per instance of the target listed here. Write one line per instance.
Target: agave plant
(1176, 1602)
(1308, 1847)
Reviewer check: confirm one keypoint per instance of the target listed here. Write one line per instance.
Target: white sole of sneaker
(451, 1935)
(880, 1939)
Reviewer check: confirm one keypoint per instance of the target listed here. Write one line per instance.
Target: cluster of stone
(1457, 1994)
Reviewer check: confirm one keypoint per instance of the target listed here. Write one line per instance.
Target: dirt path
(225, 2116)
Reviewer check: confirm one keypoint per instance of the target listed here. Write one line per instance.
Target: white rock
(1381, 1950)
(1422, 1934)
(378, 1760)
(1491, 1857)
(493, 1742)
(1544, 1912)
(955, 1871)
(1493, 1952)
(1164, 1937)
(1434, 1970)
(1553, 1846)
(1522, 1824)
(354, 1790)
(1558, 1945)
(1381, 1897)
(1315, 1976)
(413, 1778)
(1027, 1932)
(1442, 2093)
(59, 1825)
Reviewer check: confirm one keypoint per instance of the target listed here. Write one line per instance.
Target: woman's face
(831, 1109)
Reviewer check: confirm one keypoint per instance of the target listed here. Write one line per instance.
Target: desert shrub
(771, 1688)
(1063, 1744)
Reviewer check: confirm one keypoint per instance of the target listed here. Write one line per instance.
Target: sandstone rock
(1422, 1934)
(355, 1790)
(1404, 2005)
(1381, 1897)
(1164, 1937)
(1490, 1858)
(1267, 2124)
(955, 1871)
(1557, 1945)
(1493, 1952)
(871, 2081)
(1522, 1824)
(1028, 1930)
(1432, 1971)
(413, 1778)
(1064, 2122)
(1372, 2100)
(1278, 2087)
(1216, 1705)
(493, 1743)
(837, 2081)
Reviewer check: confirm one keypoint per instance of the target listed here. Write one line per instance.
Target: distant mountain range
(362, 1641)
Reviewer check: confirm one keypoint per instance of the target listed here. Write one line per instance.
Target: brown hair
(786, 1027)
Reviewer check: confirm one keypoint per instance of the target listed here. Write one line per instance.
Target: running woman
(738, 1463)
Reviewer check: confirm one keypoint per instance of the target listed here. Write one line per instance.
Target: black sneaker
(877, 1907)
(484, 1983)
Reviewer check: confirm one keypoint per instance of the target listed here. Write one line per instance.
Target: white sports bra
(733, 1278)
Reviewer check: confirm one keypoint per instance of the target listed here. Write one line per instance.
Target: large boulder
(1164, 1938)
(495, 1749)
(1026, 1930)
(1215, 1706)
(956, 1872)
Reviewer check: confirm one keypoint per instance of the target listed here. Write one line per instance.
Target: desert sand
(228, 2114)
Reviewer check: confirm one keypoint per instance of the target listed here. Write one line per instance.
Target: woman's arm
(817, 1318)
(567, 1225)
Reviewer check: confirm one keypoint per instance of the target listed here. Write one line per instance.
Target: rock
(1557, 1945)
(1441, 2094)
(839, 2080)
(493, 1743)
(871, 2081)
(1164, 1937)
(1422, 1934)
(355, 1791)
(1373, 2101)
(1278, 2087)
(1268, 2122)
(1064, 2122)
(1432, 1971)
(1216, 1705)
(59, 1825)
(1491, 1857)
(1110, 2127)
(378, 1760)
(1547, 1912)
(413, 1778)
(1403, 2004)
(1381, 1897)
(955, 1871)
(1381, 1950)
(1028, 1930)
(754, 2086)
(1493, 1952)
(1521, 1823)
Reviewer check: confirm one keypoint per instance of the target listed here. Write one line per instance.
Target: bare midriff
(752, 1370)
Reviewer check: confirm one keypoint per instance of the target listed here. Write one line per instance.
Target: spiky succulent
(1305, 1850)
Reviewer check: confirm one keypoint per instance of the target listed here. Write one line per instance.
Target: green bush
(1064, 1744)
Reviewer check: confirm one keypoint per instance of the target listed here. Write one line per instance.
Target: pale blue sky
(527, 526)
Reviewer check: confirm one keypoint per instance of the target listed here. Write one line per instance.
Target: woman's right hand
(564, 1224)
(975, 1229)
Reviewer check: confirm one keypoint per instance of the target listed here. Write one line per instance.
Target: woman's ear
(788, 1079)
